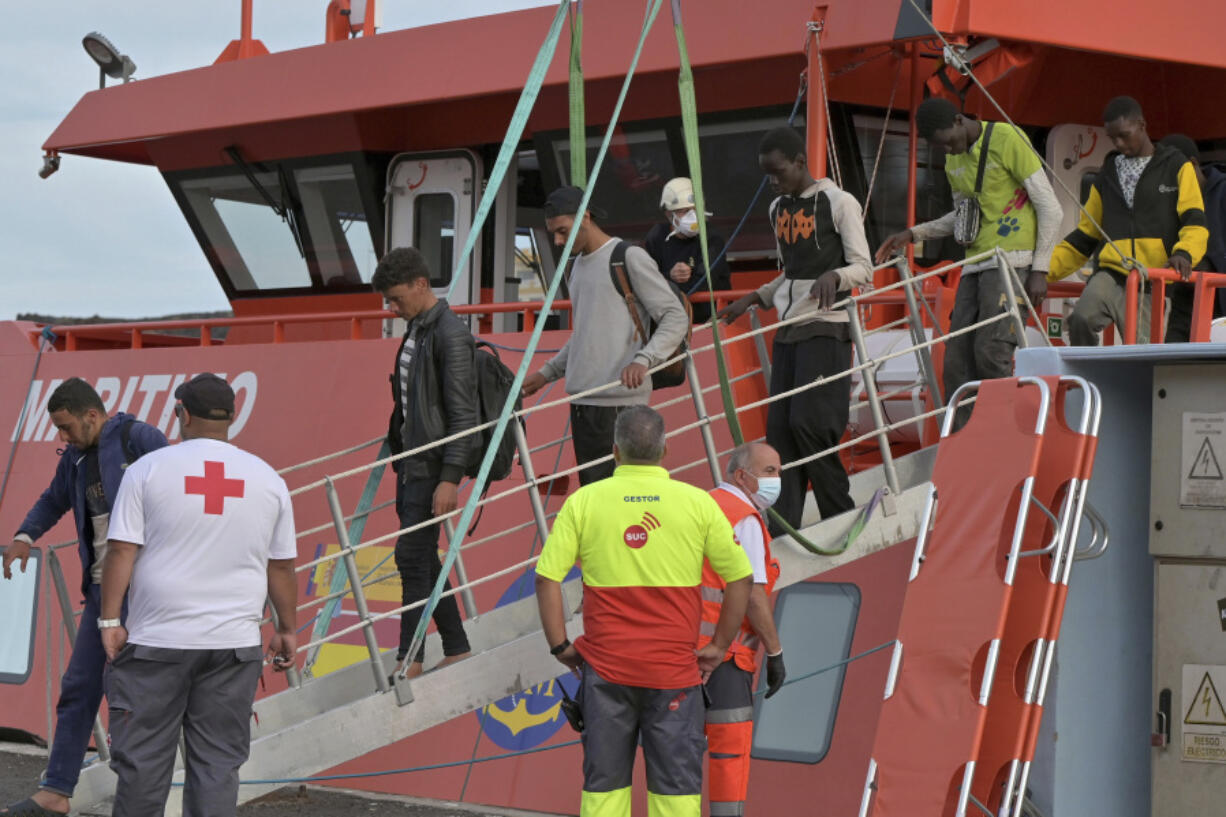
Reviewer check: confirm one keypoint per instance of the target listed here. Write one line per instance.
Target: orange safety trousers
(729, 729)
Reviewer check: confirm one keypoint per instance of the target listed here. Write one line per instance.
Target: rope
(578, 119)
(504, 417)
(510, 143)
(689, 121)
(273, 781)
(885, 128)
(45, 339)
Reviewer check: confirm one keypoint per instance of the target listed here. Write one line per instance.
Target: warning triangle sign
(1206, 707)
(1205, 466)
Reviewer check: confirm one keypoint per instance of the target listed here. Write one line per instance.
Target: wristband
(561, 648)
(775, 654)
(109, 623)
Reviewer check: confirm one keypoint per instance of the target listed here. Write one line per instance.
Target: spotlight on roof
(51, 163)
(110, 62)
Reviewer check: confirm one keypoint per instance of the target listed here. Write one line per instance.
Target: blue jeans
(80, 697)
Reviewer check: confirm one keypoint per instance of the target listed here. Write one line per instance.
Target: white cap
(678, 194)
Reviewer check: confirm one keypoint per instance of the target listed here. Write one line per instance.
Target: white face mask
(768, 492)
(686, 225)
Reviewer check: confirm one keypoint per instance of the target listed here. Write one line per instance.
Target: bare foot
(451, 659)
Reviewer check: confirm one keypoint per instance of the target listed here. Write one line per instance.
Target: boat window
(253, 245)
(731, 176)
(336, 221)
(434, 234)
(631, 179)
(293, 226)
(642, 157)
(887, 210)
(19, 612)
(799, 722)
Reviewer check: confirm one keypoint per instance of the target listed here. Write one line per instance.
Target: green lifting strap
(510, 143)
(483, 473)
(357, 527)
(689, 121)
(578, 118)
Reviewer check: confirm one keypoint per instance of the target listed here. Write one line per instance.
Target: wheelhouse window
(288, 227)
(253, 245)
(336, 220)
(799, 722)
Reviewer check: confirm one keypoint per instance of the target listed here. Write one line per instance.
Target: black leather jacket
(442, 399)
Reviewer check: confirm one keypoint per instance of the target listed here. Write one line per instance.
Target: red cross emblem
(214, 487)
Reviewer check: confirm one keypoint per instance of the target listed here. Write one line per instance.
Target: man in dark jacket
(677, 251)
(434, 388)
(86, 481)
(1213, 188)
(1145, 208)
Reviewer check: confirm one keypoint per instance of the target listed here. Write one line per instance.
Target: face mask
(686, 225)
(768, 491)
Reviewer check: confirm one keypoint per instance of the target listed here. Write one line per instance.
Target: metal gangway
(320, 722)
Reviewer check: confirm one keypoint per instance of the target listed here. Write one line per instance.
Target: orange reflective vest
(744, 649)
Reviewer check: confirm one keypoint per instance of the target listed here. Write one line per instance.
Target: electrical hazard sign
(1202, 483)
(1204, 718)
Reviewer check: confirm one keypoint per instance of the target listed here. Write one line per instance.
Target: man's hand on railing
(445, 498)
(533, 383)
(633, 375)
(1036, 288)
(825, 289)
(737, 308)
(894, 244)
(1181, 265)
(19, 549)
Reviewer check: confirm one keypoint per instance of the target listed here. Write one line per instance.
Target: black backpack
(494, 381)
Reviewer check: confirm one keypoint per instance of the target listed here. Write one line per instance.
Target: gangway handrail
(749, 335)
(527, 485)
(674, 432)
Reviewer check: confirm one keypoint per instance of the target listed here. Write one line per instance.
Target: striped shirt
(406, 362)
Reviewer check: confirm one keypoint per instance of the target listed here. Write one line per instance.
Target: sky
(103, 237)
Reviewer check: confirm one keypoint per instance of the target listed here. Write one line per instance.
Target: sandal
(28, 808)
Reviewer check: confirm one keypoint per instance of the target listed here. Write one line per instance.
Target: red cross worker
(214, 531)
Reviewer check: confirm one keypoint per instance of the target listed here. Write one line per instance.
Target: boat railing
(1204, 284)
(907, 291)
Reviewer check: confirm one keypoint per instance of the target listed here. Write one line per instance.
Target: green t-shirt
(1007, 218)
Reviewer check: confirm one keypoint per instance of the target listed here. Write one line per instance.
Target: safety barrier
(1204, 286)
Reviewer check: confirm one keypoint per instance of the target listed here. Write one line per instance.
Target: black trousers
(1179, 317)
(419, 566)
(591, 429)
(808, 422)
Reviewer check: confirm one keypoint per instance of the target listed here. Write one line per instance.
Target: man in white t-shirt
(203, 533)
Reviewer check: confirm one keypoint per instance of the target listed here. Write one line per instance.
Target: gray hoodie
(604, 340)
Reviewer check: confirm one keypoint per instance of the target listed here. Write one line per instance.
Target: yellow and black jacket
(1167, 218)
